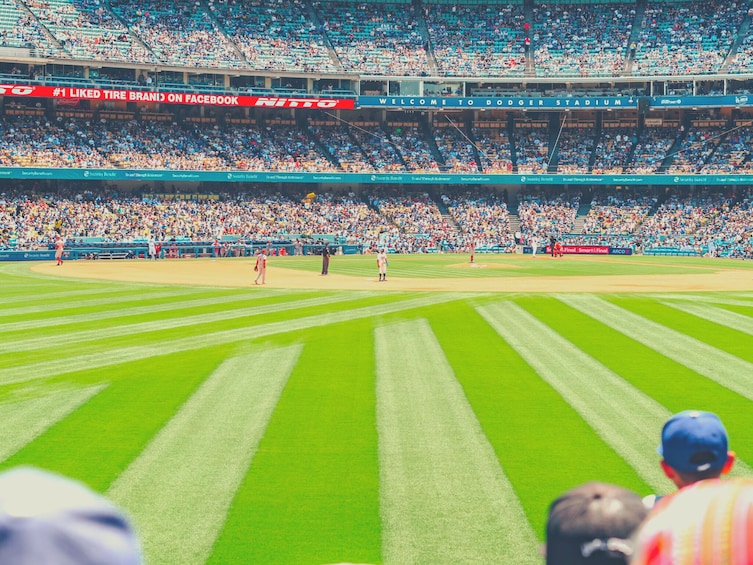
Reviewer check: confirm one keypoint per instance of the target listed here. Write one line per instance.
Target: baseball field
(428, 419)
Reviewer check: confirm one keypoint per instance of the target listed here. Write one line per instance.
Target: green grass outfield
(445, 266)
(259, 425)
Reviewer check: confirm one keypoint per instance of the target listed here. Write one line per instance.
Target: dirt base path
(240, 273)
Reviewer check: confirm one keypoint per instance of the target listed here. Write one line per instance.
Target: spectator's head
(694, 447)
(592, 525)
(708, 522)
(46, 518)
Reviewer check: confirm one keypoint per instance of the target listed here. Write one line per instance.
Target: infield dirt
(239, 273)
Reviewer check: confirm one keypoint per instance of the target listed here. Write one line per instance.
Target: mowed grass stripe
(124, 309)
(61, 365)
(24, 420)
(96, 442)
(66, 295)
(723, 338)
(706, 298)
(116, 299)
(197, 332)
(721, 316)
(540, 440)
(180, 488)
(720, 366)
(444, 497)
(626, 418)
(76, 337)
(312, 493)
(672, 385)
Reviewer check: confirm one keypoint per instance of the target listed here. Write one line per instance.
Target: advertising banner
(581, 249)
(27, 255)
(366, 178)
(620, 251)
(585, 249)
(509, 103)
(227, 100)
(718, 101)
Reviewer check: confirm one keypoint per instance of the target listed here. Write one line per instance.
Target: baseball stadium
(308, 282)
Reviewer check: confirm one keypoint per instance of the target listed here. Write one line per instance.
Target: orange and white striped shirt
(706, 523)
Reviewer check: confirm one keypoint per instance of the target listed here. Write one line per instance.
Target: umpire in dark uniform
(325, 259)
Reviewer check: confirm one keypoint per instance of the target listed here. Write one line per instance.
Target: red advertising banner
(583, 249)
(228, 100)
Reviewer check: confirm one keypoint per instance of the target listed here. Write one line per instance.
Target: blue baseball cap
(694, 441)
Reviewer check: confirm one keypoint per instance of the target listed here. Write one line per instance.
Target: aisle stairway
(452, 226)
(514, 223)
(580, 220)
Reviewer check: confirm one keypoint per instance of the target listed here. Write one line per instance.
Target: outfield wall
(583, 250)
(182, 251)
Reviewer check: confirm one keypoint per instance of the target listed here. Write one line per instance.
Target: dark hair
(592, 525)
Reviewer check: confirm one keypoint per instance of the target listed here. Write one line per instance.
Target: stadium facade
(497, 95)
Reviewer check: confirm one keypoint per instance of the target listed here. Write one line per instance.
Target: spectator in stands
(687, 38)
(179, 32)
(707, 522)
(544, 215)
(612, 151)
(617, 214)
(694, 447)
(477, 40)
(275, 35)
(651, 149)
(575, 148)
(577, 40)
(376, 38)
(49, 519)
(482, 218)
(592, 525)
(532, 151)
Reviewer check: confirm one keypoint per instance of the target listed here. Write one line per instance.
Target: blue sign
(375, 178)
(27, 255)
(552, 103)
(510, 103)
(658, 102)
(620, 251)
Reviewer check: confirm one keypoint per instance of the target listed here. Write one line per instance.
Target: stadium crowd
(276, 35)
(442, 38)
(87, 29)
(615, 215)
(161, 140)
(704, 223)
(494, 149)
(477, 40)
(613, 150)
(178, 33)
(483, 219)
(375, 38)
(575, 149)
(532, 151)
(651, 149)
(687, 38)
(581, 39)
(542, 216)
